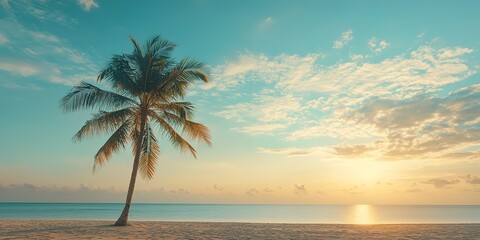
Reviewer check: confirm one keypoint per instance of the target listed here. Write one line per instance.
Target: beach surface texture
(66, 229)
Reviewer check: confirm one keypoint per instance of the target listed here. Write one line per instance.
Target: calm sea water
(356, 214)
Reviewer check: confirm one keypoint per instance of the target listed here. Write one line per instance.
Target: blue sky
(309, 102)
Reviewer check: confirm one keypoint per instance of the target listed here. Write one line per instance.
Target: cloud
(357, 57)
(266, 115)
(252, 192)
(43, 36)
(295, 151)
(261, 129)
(22, 69)
(440, 182)
(87, 4)
(268, 190)
(266, 22)
(472, 179)
(248, 67)
(413, 190)
(25, 192)
(242, 65)
(351, 150)
(423, 126)
(300, 189)
(42, 11)
(82, 193)
(5, 4)
(179, 191)
(33, 55)
(354, 190)
(344, 39)
(398, 103)
(460, 155)
(217, 188)
(3, 39)
(453, 53)
(16, 85)
(377, 46)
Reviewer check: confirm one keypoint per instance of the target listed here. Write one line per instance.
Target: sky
(310, 102)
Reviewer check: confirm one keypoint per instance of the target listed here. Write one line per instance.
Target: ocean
(328, 214)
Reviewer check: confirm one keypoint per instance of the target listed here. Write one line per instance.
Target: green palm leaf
(85, 96)
(103, 122)
(149, 154)
(116, 142)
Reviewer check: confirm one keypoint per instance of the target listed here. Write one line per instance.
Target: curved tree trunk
(122, 220)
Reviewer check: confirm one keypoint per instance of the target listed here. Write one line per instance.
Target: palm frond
(116, 142)
(103, 122)
(159, 47)
(120, 75)
(137, 50)
(88, 96)
(179, 78)
(184, 110)
(149, 154)
(175, 139)
(191, 129)
(197, 131)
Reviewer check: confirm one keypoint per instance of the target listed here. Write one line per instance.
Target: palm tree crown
(147, 87)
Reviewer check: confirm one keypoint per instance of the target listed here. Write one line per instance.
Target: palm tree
(147, 87)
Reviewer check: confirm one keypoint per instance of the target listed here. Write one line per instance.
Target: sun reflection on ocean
(362, 214)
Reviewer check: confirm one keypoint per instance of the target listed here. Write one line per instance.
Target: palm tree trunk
(122, 220)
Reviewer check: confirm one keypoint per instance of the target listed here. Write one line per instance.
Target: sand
(66, 229)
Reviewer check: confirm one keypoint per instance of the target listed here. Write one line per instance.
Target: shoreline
(233, 222)
(98, 229)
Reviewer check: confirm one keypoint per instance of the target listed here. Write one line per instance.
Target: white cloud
(261, 128)
(344, 39)
(3, 39)
(266, 22)
(356, 57)
(398, 76)
(421, 127)
(298, 98)
(43, 55)
(71, 80)
(260, 68)
(266, 114)
(42, 36)
(245, 63)
(447, 53)
(377, 46)
(295, 152)
(87, 4)
(334, 126)
(17, 85)
(43, 11)
(21, 69)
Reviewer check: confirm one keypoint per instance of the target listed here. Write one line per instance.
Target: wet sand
(66, 229)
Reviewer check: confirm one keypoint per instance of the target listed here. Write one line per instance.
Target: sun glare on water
(362, 214)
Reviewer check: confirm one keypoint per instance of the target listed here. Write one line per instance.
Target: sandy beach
(63, 229)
